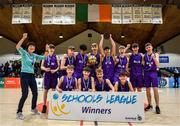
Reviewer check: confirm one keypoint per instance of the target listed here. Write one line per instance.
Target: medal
(70, 60)
(48, 61)
(83, 59)
(86, 85)
(68, 82)
(102, 86)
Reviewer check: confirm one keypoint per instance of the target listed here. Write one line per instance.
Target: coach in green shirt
(27, 75)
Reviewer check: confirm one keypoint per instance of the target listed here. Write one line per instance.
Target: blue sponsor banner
(164, 59)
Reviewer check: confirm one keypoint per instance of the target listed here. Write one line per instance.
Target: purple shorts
(50, 80)
(150, 79)
(77, 75)
(136, 80)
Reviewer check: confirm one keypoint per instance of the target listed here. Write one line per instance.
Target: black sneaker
(158, 110)
(148, 107)
(44, 109)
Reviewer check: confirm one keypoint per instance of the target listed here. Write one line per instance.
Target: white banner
(157, 14)
(116, 14)
(47, 14)
(69, 14)
(137, 14)
(64, 14)
(58, 17)
(27, 13)
(147, 14)
(97, 106)
(21, 13)
(17, 11)
(127, 14)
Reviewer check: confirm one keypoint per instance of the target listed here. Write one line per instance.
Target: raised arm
(63, 61)
(156, 59)
(21, 41)
(101, 45)
(113, 53)
(127, 47)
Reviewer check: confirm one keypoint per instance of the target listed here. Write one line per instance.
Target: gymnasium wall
(171, 50)
(172, 45)
(6, 46)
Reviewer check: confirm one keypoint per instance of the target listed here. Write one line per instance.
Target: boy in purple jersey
(67, 82)
(102, 84)
(81, 61)
(68, 59)
(50, 65)
(151, 64)
(136, 67)
(108, 58)
(86, 83)
(94, 65)
(121, 63)
(122, 84)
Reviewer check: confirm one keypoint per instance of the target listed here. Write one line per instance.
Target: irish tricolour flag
(93, 12)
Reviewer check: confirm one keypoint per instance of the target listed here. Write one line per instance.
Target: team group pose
(99, 70)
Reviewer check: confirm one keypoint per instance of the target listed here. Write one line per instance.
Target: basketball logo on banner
(127, 14)
(147, 14)
(137, 14)
(116, 14)
(157, 14)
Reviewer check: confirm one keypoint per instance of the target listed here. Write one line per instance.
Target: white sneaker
(35, 112)
(19, 116)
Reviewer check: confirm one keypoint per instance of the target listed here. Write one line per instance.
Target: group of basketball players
(99, 70)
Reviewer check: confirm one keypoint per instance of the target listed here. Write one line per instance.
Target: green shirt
(28, 60)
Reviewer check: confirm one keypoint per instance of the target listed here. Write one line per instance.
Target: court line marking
(130, 124)
(81, 123)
